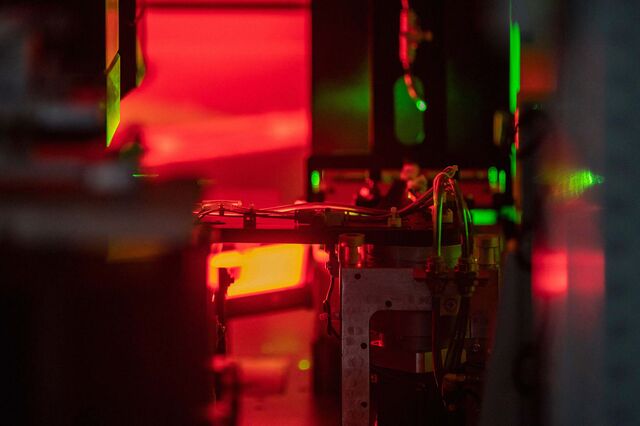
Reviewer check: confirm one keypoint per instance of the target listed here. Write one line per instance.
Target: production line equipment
(417, 294)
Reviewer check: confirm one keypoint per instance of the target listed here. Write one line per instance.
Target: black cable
(449, 359)
(456, 344)
(435, 340)
(326, 306)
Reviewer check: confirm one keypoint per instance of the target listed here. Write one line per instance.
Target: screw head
(450, 305)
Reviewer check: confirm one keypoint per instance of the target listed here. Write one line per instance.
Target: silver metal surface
(365, 291)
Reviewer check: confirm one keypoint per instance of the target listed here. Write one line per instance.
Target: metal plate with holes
(365, 291)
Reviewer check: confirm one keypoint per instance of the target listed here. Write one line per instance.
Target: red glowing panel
(550, 273)
(221, 83)
(260, 269)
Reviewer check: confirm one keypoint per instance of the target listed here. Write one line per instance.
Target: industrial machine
(417, 302)
(448, 240)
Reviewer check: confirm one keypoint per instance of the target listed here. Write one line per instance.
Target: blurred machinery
(103, 316)
(406, 280)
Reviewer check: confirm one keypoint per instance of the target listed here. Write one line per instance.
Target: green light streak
(514, 65)
(315, 181)
(574, 184)
(583, 179)
(484, 217)
(145, 175)
(502, 181)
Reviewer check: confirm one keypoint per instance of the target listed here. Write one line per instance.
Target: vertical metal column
(622, 210)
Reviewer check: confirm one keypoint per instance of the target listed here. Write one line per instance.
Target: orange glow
(550, 272)
(260, 269)
(319, 254)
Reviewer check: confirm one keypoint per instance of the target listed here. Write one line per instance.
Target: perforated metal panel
(365, 291)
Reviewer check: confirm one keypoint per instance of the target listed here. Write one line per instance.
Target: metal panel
(365, 291)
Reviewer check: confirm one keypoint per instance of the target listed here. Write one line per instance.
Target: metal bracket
(365, 291)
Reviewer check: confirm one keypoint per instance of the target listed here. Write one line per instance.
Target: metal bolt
(450, 305)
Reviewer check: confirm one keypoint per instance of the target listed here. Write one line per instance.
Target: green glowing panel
(315, 181)
(502, 181)
(492, 176)
(484, 217)
(408, 114)
(113, 98)
(514, 65)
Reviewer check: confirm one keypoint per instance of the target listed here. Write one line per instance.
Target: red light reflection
(550, 273)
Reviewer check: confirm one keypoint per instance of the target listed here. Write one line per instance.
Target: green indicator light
(502, 181)
(421, 105)
(315, 181)
(492, 176)
(514, 65)
(484, 217)
(304, 365)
